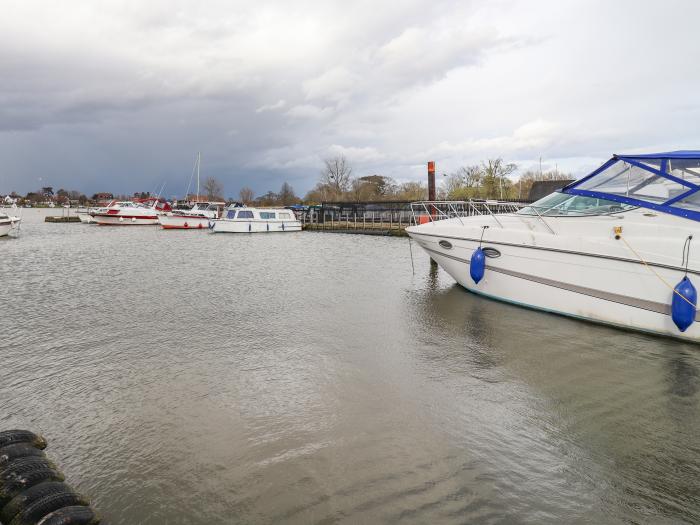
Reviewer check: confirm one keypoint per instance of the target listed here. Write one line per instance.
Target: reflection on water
(183, 377)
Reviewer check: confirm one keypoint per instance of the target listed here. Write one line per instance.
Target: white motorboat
(131, 213)
(614, 247)
(197, 217)
(8, 223)
(241, 219)
(86, 215)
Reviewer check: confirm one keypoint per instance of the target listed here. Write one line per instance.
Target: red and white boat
(196, 218)
(132, 213)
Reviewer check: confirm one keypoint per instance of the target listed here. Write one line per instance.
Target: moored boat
(239, 219)
(196, 218)
(131, 213)
(614, 247)
(8, 223)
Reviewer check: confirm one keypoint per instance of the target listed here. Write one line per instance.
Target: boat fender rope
(618, 235)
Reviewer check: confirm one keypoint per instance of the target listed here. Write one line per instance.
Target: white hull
(86, 218)
(183, 222)
(115, 220)
(6, 226)
(593, 277)
(254, 226)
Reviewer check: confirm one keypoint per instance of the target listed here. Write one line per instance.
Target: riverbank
(359, 229)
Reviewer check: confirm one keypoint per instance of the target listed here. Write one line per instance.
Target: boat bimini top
(666, 182)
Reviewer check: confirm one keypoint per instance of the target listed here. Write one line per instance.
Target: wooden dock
(393, 229)
(64, 218)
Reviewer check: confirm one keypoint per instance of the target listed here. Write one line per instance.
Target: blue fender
(682, 311)
(477, 265)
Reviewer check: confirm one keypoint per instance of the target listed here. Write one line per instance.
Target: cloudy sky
(102, 95)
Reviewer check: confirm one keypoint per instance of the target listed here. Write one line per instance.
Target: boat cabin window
(628, 180)
(267, 214)
(245, 214)
(558, 204)
(285, 216)
(230, 214)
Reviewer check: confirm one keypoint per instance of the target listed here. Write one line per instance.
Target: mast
(199, 159)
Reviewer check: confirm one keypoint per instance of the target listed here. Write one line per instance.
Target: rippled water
(183, 377)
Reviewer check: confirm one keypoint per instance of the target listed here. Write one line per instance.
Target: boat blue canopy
(681, 154)
(667, 182)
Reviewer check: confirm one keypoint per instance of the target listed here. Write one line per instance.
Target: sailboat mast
(199, 159)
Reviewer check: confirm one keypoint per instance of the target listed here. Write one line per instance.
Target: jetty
(62, 218)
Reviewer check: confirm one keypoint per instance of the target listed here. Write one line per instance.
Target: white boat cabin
(237, 219)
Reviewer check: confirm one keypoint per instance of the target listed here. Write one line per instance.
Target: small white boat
(196, 218)
(130, 213)
(613, 247)
(8, 223)
(239, 219)
(86, 215)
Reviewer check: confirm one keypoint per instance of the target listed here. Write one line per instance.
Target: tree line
(490, 179)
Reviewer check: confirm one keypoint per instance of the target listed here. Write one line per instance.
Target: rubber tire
(10, 437)
(25, 464)
(18, 450)
(12, 488)
(71, 516)
(44, 506)
(28, 497)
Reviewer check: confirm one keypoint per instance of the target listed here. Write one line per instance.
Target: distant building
(542, 188)
(103, 196)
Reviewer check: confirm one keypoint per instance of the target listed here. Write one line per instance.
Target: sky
(119, 96)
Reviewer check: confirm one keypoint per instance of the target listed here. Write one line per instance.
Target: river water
(184, 377)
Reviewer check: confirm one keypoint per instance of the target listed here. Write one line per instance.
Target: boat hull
(5, 229)
(615, 291)
(122, 220)
(86, 218)
(254, 226)
(183, 222)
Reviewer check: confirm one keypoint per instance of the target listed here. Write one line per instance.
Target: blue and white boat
(619, 246)
(237, 219)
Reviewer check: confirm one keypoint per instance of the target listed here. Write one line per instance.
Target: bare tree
(246, 195)
(336, 174)
(496, 181)
(286, 195)
(214, 189)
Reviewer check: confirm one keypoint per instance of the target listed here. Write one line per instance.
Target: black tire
(44, 506)
(30, 496)
(10, 437)
(25, 464)
(17, 450)
(71, 516)
(11, 488)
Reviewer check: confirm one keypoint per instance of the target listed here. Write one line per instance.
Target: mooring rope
(619, 236)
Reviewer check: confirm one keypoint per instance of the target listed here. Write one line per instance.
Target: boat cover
(668, 182)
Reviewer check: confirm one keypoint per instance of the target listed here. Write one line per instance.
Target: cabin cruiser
(197, 217)
(614, 247)
(8, 223)
(86, 215)
(239, 219)
(131, 213)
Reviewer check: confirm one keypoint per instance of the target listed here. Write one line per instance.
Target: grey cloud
(117, 94)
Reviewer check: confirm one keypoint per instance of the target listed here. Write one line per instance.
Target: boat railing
(430, 211)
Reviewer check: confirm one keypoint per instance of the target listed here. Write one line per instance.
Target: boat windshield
(559, 204)
(668, 182)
